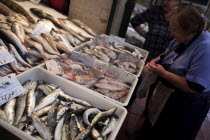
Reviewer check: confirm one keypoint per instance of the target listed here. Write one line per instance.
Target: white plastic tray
(71, 89)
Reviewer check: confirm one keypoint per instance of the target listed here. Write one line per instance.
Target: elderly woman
(180, 100)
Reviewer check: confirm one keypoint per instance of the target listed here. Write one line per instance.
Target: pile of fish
(110, 55)
(45, 112)
(96, 79)
(30, 49)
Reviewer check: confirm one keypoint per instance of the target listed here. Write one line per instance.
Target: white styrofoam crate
(140, 64)
(71, 89)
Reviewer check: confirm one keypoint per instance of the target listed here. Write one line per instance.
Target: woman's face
(169, 5)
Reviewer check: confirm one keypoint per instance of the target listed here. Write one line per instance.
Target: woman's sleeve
(199, 67)
(140, 18)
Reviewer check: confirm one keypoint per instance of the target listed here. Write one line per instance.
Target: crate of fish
(101, 50)
(52, 108)
(109, 82)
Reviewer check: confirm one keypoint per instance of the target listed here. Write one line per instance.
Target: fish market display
(96, 79)
(44, 111)
(111, 56)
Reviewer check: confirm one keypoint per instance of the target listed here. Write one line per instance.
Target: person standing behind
(159, 34)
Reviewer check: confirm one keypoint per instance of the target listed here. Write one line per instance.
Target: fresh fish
(61, 46)
(67, 97)
(110, 87)
(3, 115)
(21, 102)
(110, 127)
(65, 130)
(119, 94)
(71, 39)
(15, 65)
(18, 57)
(45, 88)
(18, 29)
(50, 41)
(41, 127)
(61, 111)
(48, 99)
(88, 112)
(18, 18)
(52, 117)
(33, 44)
(73, 127)
(96, 135)
(84, 79)
(42, 111)
(31, 99)
(40, 13)
(44, 43)
(78, 36)
(5, 10)
(27, 30)
(83, 135)
(17, 8)
(37, 54)
(5, 25)
(79, 124)
(10, 111)
(83, 26)
(44, 119)
(69, 26)
(10, 37)
(58, 129)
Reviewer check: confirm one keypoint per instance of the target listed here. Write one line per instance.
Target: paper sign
(5, 56)
(54, 67)
(116, 40)
(42, 27)
(10, 88)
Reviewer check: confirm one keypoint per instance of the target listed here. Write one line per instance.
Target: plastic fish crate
(71, 89)
(140, 64)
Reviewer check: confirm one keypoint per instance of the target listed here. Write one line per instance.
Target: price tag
(5, 56)
(42, 27)
(10, 88)
(54, 67)
(116, 40)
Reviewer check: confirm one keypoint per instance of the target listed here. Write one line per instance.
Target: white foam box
(140, 63)
(71, 89)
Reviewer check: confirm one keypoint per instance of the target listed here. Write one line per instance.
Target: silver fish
(13, 39)
(42, 111)
(10, 111)
(19, 18)
(44, 119)
(37, 54)
(45, 88)
(61, 46)
(110, 127)
(18, 29)
(18, 57)
(58, 129)
(63, 95)
(88, 112)
(31, 98)
(5, 25)
(3, 115)
(27, 30)
(73, 127)
(96, 134)
(50, 41)
(44, 43)
(83, 26)
(69, 26)
(52, 117)
(41, 127)
(61, 111)
(21, 102)
(110, 87)
(48, 99)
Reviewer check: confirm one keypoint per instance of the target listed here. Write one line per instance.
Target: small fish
(88, 112)
(52, 117)
(110, 127)
(61, 111)
(58, 129)
(48, 99)
(5, 25)
(3, 115)
(73, 127)
(41, 127)
(61, 46)
(10, 111)
(96, 135)
(45, 88)
(18, 29)
(5, 10)
(18, 18)
(42, 111)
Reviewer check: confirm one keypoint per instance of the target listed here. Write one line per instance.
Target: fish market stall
(67, 98)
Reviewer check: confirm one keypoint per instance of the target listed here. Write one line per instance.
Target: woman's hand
(156, 68)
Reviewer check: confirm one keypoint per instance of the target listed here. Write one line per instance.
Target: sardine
(58, 129)
(83, 135)
(10, 111)
(18, 29)
(61, 46)
(65, 130)
(110, 127)
(5, 25)
(17, 8)
(31, 99)
(96, 135)
(42, 111)
(83, 26)
(45, 88)
(13, 39)
(61, 111)
(41, 127)
(52, 117)
(18, 18)
(21, 102)
(48, 99)
(73, 127)
(50, 41)
(3, 115)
